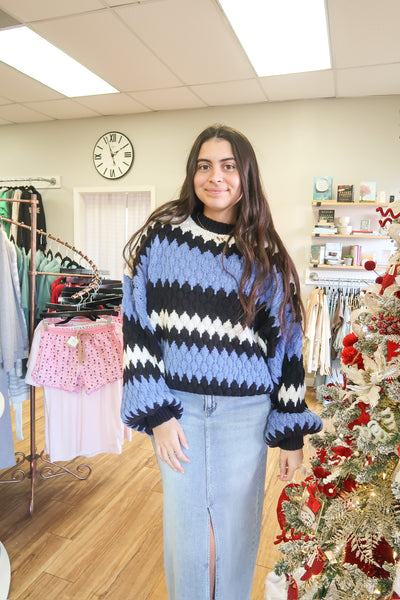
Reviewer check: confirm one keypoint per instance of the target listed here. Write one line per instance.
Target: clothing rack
(50, 470)
(52, 180)
(315, 278)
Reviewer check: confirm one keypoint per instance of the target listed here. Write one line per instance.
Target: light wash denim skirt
(224, 485)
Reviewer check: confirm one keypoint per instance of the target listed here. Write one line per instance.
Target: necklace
(197, 219)
(199, 222)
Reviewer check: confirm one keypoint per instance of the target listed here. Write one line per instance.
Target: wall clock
(113, 155)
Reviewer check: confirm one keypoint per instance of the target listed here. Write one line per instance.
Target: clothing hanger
(67, 315)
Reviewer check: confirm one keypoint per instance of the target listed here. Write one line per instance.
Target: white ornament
(377, 431)
(388, 419)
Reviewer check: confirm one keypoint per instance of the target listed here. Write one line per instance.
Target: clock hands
(111, 152)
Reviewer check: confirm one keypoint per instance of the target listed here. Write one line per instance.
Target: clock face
(113, 155)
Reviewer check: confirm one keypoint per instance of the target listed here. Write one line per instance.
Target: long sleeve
(290, 419)
(147, 400)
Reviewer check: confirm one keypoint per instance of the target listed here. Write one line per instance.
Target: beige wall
(350, 139)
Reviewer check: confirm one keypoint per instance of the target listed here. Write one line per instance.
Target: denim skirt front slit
(224, 485)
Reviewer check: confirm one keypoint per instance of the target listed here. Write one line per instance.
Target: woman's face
(217, 182)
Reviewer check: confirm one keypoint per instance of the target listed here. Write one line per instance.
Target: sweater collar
(210, 225)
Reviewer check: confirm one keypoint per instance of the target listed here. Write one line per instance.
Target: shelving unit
(370, 242)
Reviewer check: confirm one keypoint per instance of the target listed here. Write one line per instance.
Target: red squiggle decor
(390, 216)
(383, 223)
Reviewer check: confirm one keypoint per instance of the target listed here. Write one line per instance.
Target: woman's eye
(203, 167)
(230, 167)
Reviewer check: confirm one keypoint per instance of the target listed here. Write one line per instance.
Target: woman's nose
(216, 175)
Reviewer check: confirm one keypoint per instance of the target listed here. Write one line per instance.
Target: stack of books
(326, 223)
(324, 229)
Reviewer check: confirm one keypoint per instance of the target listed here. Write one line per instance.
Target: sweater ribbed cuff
(294, 443)
(160, 416)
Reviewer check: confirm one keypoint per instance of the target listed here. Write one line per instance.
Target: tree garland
(340, 527)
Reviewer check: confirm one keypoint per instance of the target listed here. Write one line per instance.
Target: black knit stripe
(179, 236)
(220, 343)
(292, 371)
(135, 335)
(213, 387)
(291, 406)
(142, 371)
(192, 301)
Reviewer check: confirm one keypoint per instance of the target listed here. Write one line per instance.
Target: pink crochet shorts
(71, 359)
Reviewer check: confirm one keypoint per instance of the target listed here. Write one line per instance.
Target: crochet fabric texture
(182, 331)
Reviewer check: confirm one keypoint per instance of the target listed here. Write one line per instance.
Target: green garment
(23, 263)
(4, 212)
(43, 283)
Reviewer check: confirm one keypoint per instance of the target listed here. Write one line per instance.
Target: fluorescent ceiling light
(31, 54)
(281, 36)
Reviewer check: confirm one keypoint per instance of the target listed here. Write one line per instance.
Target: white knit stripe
(167, 321)
(137, 355)
(292, 394)
(187, 227)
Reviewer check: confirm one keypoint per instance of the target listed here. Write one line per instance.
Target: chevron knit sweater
(182, 331)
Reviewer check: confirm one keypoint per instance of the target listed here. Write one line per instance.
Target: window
(104, 220)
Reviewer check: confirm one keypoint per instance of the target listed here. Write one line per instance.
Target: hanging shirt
(13, 329)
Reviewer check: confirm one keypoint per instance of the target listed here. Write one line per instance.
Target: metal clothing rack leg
(50, 470)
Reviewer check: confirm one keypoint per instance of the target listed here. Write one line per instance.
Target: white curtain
(110, 220)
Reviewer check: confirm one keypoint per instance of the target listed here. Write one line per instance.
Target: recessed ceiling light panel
(281, 36)
(28, 52)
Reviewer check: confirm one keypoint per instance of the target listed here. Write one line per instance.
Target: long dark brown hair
(254, 231)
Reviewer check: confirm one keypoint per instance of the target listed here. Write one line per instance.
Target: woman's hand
(169, 438)
(289, 462)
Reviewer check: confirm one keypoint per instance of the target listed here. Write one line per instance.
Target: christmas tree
(341, 525)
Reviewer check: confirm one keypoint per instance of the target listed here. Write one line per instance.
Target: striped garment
(182, 331)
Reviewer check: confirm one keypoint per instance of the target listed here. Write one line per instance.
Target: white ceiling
(180, 54)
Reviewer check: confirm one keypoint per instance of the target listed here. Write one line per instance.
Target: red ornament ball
(350, 339)
(370, 265)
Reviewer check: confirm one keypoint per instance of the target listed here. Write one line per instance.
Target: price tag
(73, 341)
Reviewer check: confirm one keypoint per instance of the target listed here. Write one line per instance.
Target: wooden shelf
(339, 267)
(347, 204)
(351, 236)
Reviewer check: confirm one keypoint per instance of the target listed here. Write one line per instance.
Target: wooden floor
(102, 538)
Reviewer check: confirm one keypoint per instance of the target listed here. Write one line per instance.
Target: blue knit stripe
(177, 267)
(199, 363)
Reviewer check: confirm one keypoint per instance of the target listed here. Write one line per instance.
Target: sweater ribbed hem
(294, 443)
(160, 416)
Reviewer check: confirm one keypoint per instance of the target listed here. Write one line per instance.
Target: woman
(213, 364)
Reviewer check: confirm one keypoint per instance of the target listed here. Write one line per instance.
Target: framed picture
(365, 225)
(368, 191)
